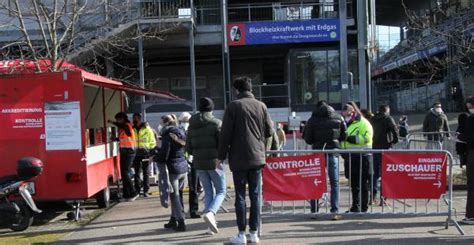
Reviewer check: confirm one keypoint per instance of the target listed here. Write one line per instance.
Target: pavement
(142, 222)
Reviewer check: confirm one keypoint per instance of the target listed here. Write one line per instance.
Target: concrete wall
(421, 98)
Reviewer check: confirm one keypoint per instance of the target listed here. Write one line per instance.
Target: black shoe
(181, 226)
(195, 216)
(172, 224)
(353, 210)
(146, 194)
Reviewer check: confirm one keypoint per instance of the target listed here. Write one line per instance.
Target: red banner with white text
(294, 178)
(414, 175)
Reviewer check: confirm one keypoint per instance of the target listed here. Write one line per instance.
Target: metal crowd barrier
(442, 206)
(434, 141)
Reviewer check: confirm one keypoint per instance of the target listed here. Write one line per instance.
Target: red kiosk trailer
(61, 118)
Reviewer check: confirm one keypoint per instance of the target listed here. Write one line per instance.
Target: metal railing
(163, 8)
(435, 141)
(358, 163)
(271, 12)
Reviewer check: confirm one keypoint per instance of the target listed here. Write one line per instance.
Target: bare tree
(443, 27)
(68, 30)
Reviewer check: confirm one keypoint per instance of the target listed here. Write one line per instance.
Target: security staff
(146, 142)
(128, 147)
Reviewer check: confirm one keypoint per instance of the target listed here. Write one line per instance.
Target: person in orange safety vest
(128, 150)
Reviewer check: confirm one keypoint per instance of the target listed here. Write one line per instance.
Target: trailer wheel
(103, 197)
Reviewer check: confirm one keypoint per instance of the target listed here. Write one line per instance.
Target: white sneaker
(238, 239)
(209, 232)
(467, 221)
(210, 219)
(253, 237)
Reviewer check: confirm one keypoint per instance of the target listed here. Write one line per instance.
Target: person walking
(193, 180)
(359, 136)
(325, 129)
(146, 142)
(128, 146)
(436, 121)
(172, 154)
(245, 127)
(201, 143)
(467, 136)
(385, 136)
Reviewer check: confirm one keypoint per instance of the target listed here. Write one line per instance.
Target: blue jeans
(254, 180)
(214, 189)
(333, 173)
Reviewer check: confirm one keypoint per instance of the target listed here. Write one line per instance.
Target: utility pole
(225, 55)
(142, 75)
(192, 60)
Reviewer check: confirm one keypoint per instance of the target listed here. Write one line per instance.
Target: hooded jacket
(172, 153)
(245, 127)
(325, 129)
(202, 140)
(385, 131)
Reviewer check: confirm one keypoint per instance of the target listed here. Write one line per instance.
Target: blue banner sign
(274, 32)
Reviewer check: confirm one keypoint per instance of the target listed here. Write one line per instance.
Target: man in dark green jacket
(202, 142)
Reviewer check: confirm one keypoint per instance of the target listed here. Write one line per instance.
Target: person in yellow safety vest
(128, 147)
(359, 136)
(146, 142)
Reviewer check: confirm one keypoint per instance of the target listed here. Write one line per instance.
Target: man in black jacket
(324, 130)
(245, 127)
(468, 137)
(385, 136)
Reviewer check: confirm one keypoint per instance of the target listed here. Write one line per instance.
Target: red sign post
(414, 175)
(294, 178)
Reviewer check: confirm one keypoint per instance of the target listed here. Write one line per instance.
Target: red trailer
(61, 118)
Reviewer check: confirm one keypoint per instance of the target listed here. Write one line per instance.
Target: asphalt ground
(142, 222)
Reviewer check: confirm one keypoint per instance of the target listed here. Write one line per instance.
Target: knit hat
(206, 104)
(184, 117)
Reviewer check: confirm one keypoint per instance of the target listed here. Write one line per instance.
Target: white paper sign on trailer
(63, 125)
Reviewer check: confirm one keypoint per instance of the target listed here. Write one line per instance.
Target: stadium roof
(392, 13)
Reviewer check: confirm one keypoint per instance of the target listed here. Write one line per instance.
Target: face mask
(471, 111)
(438, 110)
(348, 119)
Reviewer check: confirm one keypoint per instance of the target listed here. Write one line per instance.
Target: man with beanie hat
(206, 105)
(245, 127)
(467, 136)
(202, 142)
